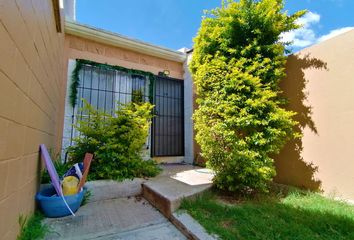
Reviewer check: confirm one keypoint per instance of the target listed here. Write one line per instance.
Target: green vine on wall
(75, 80)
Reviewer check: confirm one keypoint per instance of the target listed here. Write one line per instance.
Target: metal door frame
(180, 81)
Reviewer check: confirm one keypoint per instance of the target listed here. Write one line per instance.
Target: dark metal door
(167, 126)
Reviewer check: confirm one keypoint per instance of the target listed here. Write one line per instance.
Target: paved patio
(117, 210)
(122, 218)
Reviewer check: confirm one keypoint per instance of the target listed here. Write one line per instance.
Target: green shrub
(237, 64)
(116, 142)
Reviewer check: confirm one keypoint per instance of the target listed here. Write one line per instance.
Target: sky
(174, 23)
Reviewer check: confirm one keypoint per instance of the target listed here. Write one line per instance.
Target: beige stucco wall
(80, 48)
(31, 102)
(320, 87)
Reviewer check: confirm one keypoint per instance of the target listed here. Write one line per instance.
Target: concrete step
(109, 189)
(190, 227)
(167, 191)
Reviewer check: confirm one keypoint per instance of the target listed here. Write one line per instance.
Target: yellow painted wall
(320, 87)
(31, 102)
(80, 48)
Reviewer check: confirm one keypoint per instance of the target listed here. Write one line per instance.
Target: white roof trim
(117, 40)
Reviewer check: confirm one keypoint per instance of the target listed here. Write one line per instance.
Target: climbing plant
(75, 80)
(237, 64)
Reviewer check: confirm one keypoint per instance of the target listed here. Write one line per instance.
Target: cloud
(334, 33)
(308, 19)
(305, 35)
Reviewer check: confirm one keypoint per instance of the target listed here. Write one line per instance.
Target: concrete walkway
(114, 211)
(117, 210)
(122, 218)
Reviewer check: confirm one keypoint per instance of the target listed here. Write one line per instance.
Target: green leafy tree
(116, 142)
(237, 64)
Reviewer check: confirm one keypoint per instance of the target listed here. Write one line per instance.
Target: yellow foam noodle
(70, 185)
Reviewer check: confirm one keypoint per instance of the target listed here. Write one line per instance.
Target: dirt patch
(229, 200)
(227, 224)
(276, 192)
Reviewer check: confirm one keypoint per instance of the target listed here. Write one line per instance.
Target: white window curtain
(130, 87)
(108, 89)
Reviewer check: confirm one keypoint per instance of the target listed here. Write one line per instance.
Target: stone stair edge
(190, 227)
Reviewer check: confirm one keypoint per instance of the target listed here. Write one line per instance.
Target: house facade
(35, 74)
(105, 87)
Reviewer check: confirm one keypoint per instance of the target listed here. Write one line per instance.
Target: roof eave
(117, 40)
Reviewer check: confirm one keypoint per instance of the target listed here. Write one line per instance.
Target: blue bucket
(53, 206)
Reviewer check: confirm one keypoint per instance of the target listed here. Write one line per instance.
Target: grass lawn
(296, 215)
(31, 227)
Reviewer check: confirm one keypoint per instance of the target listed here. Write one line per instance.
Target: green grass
(296, 216)
(87, 197)
(31, 228)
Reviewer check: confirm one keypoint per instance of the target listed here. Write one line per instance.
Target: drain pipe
(70, 10)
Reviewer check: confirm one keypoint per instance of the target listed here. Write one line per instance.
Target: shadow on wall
(291, 168)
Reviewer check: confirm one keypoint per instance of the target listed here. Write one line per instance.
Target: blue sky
(174, 23)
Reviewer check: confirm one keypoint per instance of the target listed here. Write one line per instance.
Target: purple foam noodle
(54, 177)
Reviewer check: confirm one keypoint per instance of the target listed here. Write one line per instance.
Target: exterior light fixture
(165, 73)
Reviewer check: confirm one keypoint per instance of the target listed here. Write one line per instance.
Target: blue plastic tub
(54, 206)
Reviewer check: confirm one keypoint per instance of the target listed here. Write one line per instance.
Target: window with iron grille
(105, 89)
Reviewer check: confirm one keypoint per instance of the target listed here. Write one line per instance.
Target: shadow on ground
(308, 218)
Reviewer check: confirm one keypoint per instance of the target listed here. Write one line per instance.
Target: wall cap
(117, 40)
